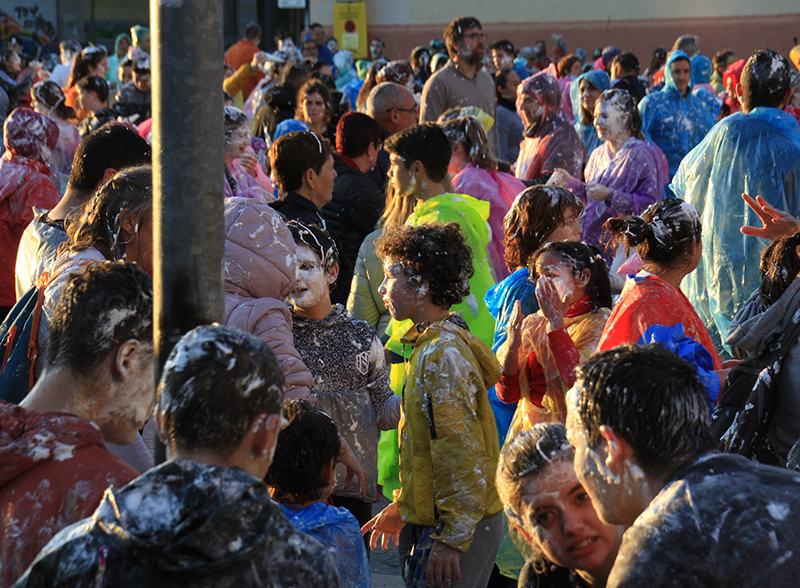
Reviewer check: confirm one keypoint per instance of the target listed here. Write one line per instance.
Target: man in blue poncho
(673, 118)
(757, 152)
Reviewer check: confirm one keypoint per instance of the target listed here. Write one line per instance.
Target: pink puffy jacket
(259, 274)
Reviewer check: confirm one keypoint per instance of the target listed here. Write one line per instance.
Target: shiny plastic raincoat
(674, 122)
(448, 440)
(588, 134)
(757, 153)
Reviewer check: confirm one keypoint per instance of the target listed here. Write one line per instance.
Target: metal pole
(188, 140)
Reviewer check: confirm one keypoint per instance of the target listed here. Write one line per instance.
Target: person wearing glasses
(463, 81)
(395, 109)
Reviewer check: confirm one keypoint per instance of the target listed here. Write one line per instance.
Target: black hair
(662, 234)
(295, 76)
(503, 45)
(252, 31)
(765, 80)
(437, 254)
(536, 213)
(102, 305)
(305, 449)
(88, 57)
(500, 80)
(95, 84)
(580, 257)
(318, 240)
(51, 95)
(425, 143)
(112, 146)
(629, 107)
(649, 396)
(780, 265)
(216, 382)
(295, 153)
(454, 32)
(627, 62)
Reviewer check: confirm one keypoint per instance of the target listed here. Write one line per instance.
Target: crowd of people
(504, 290)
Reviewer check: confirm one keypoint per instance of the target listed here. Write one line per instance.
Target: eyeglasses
(415, 109)
(476, 36)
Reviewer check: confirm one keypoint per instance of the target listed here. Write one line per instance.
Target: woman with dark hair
(544, 501)
(623, 176)
(47, 98)
(569, 68)
(584, 92)
(420, 62)
(241, 164)
(543, 349)
(651, 307)
(90, 61)
(313, 111)
(10, 68)
(757, 328)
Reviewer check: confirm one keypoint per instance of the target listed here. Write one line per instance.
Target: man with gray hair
(395, 109)
(205, 517)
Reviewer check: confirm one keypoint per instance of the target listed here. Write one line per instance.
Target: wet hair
(293, 154)
(318, 240)
(580, 257)
(662, 234)
(566, 63)
(780, 265)
(95, 84)
(252, 31)
(468, 132)
(102, 305)
(129, 190)
(526, 456)
(625, 100)
(454, 32)
(536, 213)
(425, 143)
(83, 62)
(627, 62)
(113, 146)
(313, 86)
(355, 133)
(52, 97)
(216, 382)
(649, 396)
(433, 253)
(305, 449)
(765, 80)
(686, 43)
(234, 118)
(141, 65)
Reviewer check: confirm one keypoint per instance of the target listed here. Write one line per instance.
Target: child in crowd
(346, 360)
(301, 478)
(543, 349)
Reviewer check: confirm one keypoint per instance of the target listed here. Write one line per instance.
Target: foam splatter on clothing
(185, 524)
(588, 134)
(347, 362)
(556, 144)
(720, 520)
(54, 470)
(448, 441)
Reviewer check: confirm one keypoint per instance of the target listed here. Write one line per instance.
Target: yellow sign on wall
(350, 27)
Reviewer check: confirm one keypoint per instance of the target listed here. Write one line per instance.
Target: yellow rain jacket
(448, 439)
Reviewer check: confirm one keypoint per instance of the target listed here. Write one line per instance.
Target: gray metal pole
(188, 140)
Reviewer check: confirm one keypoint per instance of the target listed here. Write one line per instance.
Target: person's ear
(310, 178)
(332, 274)
(265, 433)
(126, 359)
(416, 168)
(618, 451)
(582, 279)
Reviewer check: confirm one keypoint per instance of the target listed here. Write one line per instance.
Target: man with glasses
(395, 109)
(463, 81)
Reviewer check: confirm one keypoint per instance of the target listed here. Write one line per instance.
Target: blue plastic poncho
(339, 531)
(757, 153)
(701, 70)
(588, 134)
(674, 122)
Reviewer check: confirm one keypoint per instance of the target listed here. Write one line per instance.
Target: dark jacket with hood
(185, 524)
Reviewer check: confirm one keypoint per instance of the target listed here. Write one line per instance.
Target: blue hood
(597, 77)
(701, 70)
(669, 83)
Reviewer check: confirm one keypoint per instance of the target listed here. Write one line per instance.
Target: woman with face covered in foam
(346, 360)
(550, 141)
(651, 307)
(570, 546)
(543, 349)
(624, 175)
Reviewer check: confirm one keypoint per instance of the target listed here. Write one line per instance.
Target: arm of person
(644, 188)
(245, 75)
(433, 101)
(384, 402)
(363, 300)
